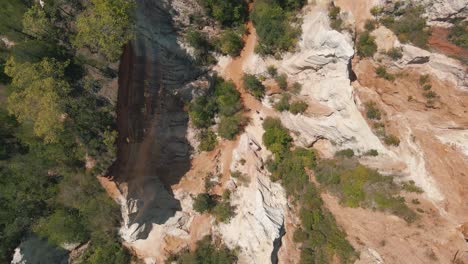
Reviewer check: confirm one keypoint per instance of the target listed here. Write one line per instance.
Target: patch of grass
(382, 73)
(372, 111)
(366, 46)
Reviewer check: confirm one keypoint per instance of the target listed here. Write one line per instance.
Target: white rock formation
(321, 67)
(260, 207)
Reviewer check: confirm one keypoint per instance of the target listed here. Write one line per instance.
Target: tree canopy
(105, 26)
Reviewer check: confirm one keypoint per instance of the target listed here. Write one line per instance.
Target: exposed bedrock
(153, 152)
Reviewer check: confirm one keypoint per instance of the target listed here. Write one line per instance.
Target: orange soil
(439, 41)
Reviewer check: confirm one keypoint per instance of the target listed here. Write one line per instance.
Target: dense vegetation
(273, 22)
(54, 119)
(207, 252)
(254, 86)
(228, 13)
(366, 46)
(322, 240)
(359, 186)
(407, 22)
(223, 100)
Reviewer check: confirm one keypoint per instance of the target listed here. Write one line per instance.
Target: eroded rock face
(321, 67)
(258, 225)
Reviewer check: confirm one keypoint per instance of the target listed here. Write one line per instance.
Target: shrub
(223, 211)
(382, 73)
(282, 81)
(348, 153)
(254, 86)
(423, 79)
(283, 103)
(410, 186)
(198, 39)
(366, 46)
(372, 111)
(230, 43)
(372, 152)
(370, 25)
(203, 202)
(459, 34)
(273, 28)
(296, 88)
(230, 126)
(272, 71)
(298, 107)
(392, 140)
(207, 140)
(376, 10)
(430, 94)
(427, 87)
(242, 178)
(395, 53)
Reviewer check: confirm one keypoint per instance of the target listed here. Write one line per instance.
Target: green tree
(63, 226)
(254, 85)
(228, 13)
(37, 95)
(105, 26)
(231, 43)
(230, 126)
(36, 23)
(203, 202)
(207, 140)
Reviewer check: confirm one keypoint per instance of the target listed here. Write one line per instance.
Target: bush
(382, 73)
(230, 126)
(395, 53)
(276, 137)
(254, 86)
(223, 211)
(348, 153)
(410, 186)
(430, 95)
(272, 71)
(366, 46)
(230, 43)
(207, 140)
(282, 81)
(392, 140)
(459, 34)
(298, 107)
(370, 25)
(372, 152)
(372, 111)
(203, 203)
(283, 103)
(273, 28)
(423, 79)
